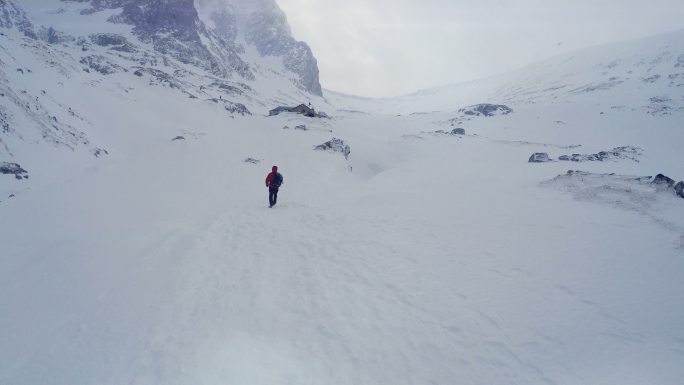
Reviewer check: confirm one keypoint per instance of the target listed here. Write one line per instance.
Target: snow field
(424, 258)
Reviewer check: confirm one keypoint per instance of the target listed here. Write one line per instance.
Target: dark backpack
(277, 180)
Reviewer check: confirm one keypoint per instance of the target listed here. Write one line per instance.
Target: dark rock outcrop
(458, 131)
(13, 169)
(335, 145)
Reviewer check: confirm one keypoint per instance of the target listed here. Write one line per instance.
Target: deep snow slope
(423, 258)
(645, 75)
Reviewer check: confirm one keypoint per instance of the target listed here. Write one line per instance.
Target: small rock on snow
(539, 157)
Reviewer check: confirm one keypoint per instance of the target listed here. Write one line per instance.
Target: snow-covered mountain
(127, 44)
(413, 241)
(645, 74)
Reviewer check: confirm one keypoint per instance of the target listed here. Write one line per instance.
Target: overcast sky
(394, 47)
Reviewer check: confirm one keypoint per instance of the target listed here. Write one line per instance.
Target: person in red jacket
(273, 181)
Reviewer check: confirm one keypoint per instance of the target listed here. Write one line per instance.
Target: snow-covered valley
(425, 257)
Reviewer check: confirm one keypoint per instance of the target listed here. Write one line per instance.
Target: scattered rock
(486, 110)
(660, 106)
(229, 89)
(252, 161)
(236, 108)
(113, 41)
(458, 131)
(651, 79)
(98, 152)
(100, 64)
(335, 145)
(13, 169)
(301, 127)
(661, 179)
(178, 138)
(623, 152)
(539, 157)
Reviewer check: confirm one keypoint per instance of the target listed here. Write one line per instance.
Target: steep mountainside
(51, 49)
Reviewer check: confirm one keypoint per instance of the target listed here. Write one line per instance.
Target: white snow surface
(425, 258)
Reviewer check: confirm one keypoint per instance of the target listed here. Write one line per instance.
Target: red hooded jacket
(274, 179)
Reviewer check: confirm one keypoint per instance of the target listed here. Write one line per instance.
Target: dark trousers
(272, 195)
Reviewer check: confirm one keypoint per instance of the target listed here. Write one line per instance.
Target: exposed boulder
(458, 131)
(539, 157)
(252, 161)
(335, 145)
(179, 137)
(301, 127)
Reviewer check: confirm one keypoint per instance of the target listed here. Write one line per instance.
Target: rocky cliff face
(174, 28)
(264, 25)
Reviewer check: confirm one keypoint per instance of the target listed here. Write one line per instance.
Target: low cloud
(383, 47)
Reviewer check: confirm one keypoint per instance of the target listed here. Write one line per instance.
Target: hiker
(273, 181)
